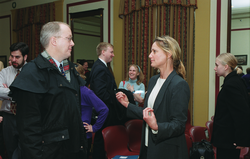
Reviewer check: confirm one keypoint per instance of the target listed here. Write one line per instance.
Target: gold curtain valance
(129, 6)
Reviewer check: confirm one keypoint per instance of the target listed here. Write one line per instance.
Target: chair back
(197, 133)
(134, 130)
(116, 141)
(209, 126)
(245, 153)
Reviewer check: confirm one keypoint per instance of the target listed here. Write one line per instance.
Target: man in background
(19, 52)
(101, 82)
(48, 101)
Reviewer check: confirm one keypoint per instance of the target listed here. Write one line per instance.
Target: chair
(209, 126)
(197, 133)
(245, 153)
(189, 143)
(134, 130)
(188, 125)
(116, 141)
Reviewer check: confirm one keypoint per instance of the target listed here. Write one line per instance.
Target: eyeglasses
(68, 38)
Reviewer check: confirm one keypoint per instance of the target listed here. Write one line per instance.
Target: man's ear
(53, 40)
(25, 57)
(103, 52)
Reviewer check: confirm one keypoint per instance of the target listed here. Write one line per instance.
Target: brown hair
(80, 70)
(169, 44)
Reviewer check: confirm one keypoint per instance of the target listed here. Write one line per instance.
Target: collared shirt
(57, 63)
(7, 76)
(104, 62)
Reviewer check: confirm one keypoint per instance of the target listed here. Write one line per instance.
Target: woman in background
(89, 101)
(133, 83)
(166, 104)
(232, 114)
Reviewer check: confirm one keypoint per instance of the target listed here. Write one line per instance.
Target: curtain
(145, 19)
(27, 24)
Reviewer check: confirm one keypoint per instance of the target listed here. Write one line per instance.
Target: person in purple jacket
(88, 101)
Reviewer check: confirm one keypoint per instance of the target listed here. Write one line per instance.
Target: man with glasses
(48, 104)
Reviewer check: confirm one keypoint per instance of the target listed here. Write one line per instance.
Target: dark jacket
(48, 108)
(232, 114)
(102, 83)
(170, 109)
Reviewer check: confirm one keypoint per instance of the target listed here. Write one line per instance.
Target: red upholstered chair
(188, 124)
(245, 153)
(209, 126)
(197, 133)
(134, 131)
(116, 141)
(189, 142)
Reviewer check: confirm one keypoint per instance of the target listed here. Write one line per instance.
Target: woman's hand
(149, 117)
(130, 88)
(138, 98)
(88, 127)
(1, 119)
(122, 98)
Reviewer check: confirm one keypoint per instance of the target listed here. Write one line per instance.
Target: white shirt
(7, 76)
(104, 62)
(151, 101)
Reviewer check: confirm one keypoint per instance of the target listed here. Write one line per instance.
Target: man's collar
(104, 62)
(57, 63)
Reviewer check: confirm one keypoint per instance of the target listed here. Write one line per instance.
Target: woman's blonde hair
(140, 78)
(230, 60)
(169, 44)
(80, 70)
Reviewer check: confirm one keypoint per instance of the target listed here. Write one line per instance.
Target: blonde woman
(166, 104)
(232, 114)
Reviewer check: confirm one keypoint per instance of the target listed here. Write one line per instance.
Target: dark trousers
(227, 153)
(98, 146)
(10, 135)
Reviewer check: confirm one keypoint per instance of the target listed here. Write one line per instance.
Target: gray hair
(48, 30)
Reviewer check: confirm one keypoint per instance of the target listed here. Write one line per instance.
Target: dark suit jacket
(102, 82)
(231, 120)
(170, 108)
